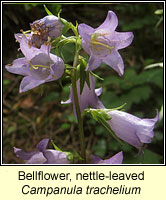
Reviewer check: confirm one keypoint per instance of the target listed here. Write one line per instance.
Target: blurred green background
(38, 114)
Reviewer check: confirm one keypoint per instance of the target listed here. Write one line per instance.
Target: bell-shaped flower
(42, 155)
(38, 66)
(103, 43)
(116, 159)
(42, 29)
(132, 129)
(88, 97)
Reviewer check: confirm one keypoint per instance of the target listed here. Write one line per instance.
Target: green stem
(77, 106)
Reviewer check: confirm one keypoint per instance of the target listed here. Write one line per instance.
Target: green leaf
(82, 75)
(6, 82)
(47, 11)
(65, 126)
(11, 129)
(87, 79)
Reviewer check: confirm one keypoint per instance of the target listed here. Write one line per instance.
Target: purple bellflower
(38, 66)
(132, 129)
(42, 155)
(103, 43)
(88, 97)
(49, 26)
(116, 159)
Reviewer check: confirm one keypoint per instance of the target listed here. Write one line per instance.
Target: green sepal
(101, 116)
(68, 25)
(47, 11)
(73, 156)
(64, 22)
(55, 147)
(65, 40)
(117, 108)
(96, 76)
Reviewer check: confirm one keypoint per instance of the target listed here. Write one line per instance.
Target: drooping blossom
(42, 155)
(38, 66)
(116, 159)
(42, 29)
(88, 97)
(132, 129)
(103, 43)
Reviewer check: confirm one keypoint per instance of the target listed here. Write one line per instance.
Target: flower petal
(55, 157)
(57, 69)
(110, 22)
(145, 129)
(85, 31)
(70, 97)
(86, 46)
(115, 61)
(120, 40)
(98, 91)
(23, 154)
(38, 158)
(28, 83)
(96, 159)
(19, 36)
(93, 63)
(28, 50)
(116, 159)
(41, 146)
(19, 66)
(88, 97)
(45, 49)
(125, 126)
(41, 72)
(132, 129)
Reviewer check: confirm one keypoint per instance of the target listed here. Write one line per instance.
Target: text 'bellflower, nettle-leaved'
(132, 129)
(116, 159)
(103, 43)
(49, 26)
(38, 66)
(42, 155)
(88, 97)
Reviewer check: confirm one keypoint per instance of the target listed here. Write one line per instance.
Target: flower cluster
(49, 156)
(39, 66)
